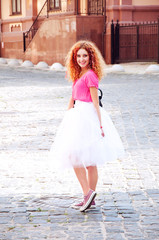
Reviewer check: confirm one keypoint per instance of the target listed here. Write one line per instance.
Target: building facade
(44, 30)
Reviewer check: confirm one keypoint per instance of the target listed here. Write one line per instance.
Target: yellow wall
(83, 6)
(40, 3)
(6, 10)
(145, 2)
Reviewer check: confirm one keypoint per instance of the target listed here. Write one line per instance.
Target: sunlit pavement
(35, 199)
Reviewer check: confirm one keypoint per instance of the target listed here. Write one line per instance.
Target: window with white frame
(54, 4)
(16, 7)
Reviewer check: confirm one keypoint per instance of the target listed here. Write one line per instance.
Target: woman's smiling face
(83, 58)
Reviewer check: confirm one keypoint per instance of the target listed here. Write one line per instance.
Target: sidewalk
(35, 200)
(134, 67)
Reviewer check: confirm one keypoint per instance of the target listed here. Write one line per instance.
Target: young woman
(86, 136)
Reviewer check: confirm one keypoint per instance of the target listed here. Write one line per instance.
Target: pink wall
(53, 40)
(93, 33)
(57, 34)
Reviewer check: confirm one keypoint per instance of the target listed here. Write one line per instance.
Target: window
(16, 7)
(95, 7)
(54, 4)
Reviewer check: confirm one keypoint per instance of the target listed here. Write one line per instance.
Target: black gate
(135, 42)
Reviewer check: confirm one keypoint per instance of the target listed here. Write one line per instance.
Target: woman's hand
(102, 132)
(95, 99)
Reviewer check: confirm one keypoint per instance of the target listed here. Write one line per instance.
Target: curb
(123, 68)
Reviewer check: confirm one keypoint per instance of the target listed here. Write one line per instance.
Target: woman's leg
(88, 185)
(82, 178)
(92, 177)
(91, 181)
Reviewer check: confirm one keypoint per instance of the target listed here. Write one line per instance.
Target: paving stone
(21, 220)
(5, 220)
(112, 219)
(116, 236)
(111, 213)
(114, 230)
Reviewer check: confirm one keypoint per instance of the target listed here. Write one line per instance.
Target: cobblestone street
(35, 200)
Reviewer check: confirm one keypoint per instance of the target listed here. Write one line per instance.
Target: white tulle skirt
(79, 142)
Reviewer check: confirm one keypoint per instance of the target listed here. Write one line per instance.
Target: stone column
(116, 10)
(34, 8)
(31, 8)
(84, 7)
(30, 14)
(125, 11)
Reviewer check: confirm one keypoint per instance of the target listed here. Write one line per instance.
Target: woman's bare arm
(71, 103)
(95, 99)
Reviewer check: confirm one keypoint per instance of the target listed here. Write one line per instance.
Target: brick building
(60, 23)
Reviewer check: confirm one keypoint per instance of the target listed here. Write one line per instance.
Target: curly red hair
(96, 61)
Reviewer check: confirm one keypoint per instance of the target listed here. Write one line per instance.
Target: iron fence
(135, 42)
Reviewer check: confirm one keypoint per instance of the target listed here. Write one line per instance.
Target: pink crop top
(80, 88)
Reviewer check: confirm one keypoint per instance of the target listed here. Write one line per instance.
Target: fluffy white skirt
(79, 142)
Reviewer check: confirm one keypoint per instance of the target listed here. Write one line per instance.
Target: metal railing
(29, 35)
